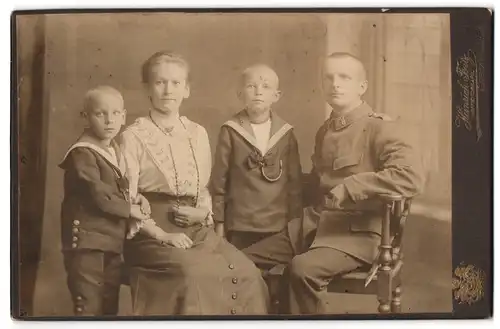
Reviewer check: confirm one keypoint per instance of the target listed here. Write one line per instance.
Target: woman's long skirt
(210, 278)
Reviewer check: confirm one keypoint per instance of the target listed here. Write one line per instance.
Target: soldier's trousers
(242, 240)
(308, 274)
(94, 279)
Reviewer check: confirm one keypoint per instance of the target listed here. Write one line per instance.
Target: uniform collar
(340, 122)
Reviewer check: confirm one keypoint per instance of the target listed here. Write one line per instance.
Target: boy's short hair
(163, 57)
(92, 94)
(344, 54)
(247, 70)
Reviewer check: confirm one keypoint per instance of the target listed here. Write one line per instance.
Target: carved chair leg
(384, 293)
(396, 300)
(384, 306)
(385, 259)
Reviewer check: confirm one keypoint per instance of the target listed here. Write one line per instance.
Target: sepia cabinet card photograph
(252, 164)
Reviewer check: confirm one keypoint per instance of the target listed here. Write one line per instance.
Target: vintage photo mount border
(471, 32)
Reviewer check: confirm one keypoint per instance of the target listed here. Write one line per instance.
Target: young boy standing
(256, 178)
(96, 207)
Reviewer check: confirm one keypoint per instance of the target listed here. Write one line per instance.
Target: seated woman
(186, 268)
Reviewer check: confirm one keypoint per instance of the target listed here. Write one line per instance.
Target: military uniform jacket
(96, 205)
(368, 154)
(252, 191)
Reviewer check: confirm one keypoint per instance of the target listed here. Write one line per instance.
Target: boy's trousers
(94, 279)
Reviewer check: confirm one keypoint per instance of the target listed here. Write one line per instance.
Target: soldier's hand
(336, 197)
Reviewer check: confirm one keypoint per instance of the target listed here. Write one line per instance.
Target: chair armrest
(397, 202)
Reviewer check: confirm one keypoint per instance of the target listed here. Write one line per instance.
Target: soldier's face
(344, 81)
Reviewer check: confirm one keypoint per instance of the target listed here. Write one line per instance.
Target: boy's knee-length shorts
(94, 279)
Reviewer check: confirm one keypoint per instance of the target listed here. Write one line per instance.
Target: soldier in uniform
(358, 155)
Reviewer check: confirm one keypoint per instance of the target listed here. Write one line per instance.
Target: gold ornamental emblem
(468, 284)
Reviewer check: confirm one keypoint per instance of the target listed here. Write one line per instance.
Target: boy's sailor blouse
(243, 199)
(262, 133)
(150, 167)
(95, 210)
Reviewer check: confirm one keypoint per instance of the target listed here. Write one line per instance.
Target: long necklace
(168, 132)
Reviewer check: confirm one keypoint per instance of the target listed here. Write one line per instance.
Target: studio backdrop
(63, 55)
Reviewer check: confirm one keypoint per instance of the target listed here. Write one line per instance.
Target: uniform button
(74, 245)
(79, 309)
(234, 296)
(75, 230)
(75, 238)
(78, 297)
(233, 311)
(235, 280)
(76, 222)
(231, 266)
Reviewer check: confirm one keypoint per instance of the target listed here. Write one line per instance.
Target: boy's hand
(136, 212)
(177, 240)
(143, 203)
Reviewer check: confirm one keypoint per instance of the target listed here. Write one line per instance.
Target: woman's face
(168, 86)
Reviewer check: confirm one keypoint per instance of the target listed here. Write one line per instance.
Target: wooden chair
(382, 278)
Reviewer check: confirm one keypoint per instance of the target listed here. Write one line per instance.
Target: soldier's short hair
(163, 57)
(92, 95)
(344, 54)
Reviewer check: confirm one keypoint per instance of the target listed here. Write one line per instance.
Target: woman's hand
(177, 240)
(188, 216)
